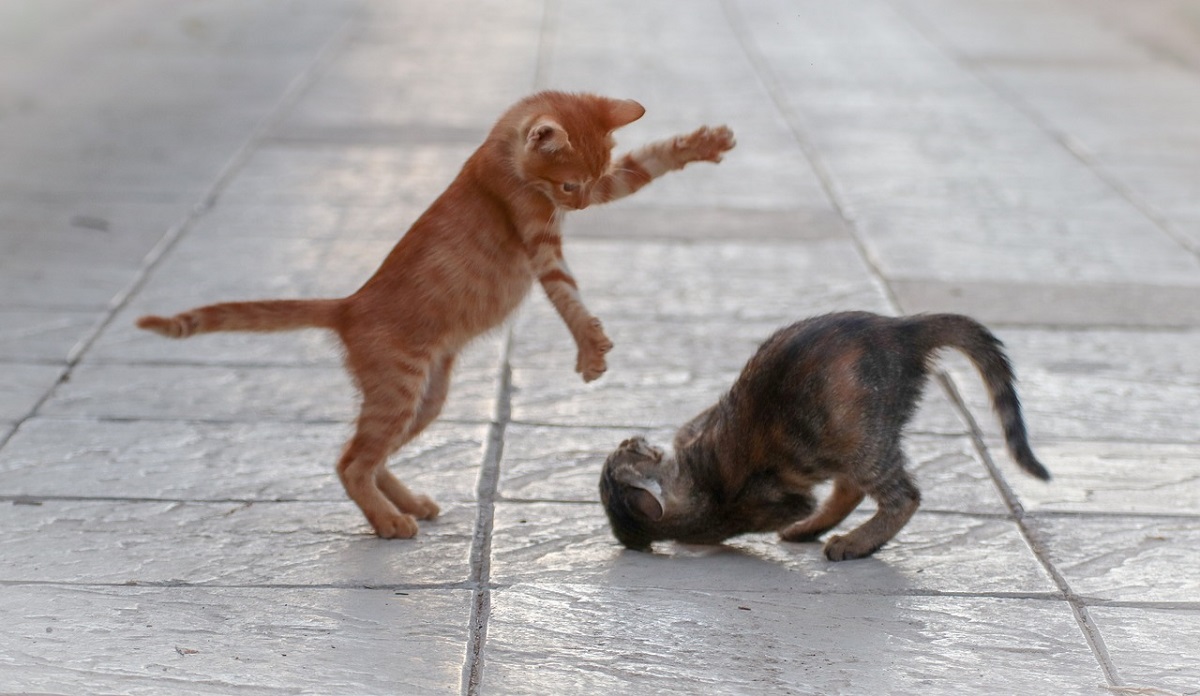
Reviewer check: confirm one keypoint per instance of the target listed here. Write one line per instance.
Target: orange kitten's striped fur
(461, 269)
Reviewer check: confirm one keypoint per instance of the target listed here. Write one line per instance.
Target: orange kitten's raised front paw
(394, 526)
(592, 348)
(705, 144)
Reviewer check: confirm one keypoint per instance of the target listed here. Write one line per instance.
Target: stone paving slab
(769, 173)
(228, 544)
(1134, 559)
(1098, 384)
(430, 77)
(633, 219)
(673, 641)
(385, 220)
(1114, 477)
(571, 543)
(1153, 647)
(1049, 304)
(161, 640)
(240, 461)
(1090, 251)
(322, 394)
(357, 174)
(22, 386)
(785, 282)
(37, 335)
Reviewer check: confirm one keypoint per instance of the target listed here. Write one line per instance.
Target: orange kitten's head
(564, 141)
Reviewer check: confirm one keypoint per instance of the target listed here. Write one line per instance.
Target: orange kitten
(461, 269)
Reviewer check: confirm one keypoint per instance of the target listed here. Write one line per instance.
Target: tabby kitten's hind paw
(848, 547)
(705, 144)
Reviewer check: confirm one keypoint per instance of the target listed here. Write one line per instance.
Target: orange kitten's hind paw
(394, 526)
(171, 327)
(705, 144)
(425, 508)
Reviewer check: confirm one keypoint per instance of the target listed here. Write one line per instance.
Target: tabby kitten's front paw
(705, 144)
(593, 345)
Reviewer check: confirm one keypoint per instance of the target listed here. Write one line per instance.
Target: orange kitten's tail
(267, 315)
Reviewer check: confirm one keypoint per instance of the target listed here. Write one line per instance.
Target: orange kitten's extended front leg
(635, 169)
(545, 254)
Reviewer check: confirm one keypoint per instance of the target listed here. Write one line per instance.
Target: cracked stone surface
(171, 520)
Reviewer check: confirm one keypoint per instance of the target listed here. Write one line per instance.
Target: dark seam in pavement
(481, 543)
(1091, 633)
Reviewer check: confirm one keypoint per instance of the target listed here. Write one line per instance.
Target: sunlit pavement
(170, 521)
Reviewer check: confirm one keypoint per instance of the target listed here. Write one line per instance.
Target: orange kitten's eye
(570, 187)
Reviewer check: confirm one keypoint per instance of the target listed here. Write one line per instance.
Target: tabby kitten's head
(566, 142)
(631, 488)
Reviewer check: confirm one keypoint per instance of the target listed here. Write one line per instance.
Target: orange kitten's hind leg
(359, 471)
(420, 506)
(392, 387)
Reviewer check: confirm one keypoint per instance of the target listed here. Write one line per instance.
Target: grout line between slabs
(489, 474)
(486, 494)
(1079, 608)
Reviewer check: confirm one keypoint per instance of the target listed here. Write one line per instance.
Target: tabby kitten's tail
(987, 353)
(267, 315)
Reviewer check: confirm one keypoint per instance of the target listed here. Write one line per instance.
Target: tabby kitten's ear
(622, 112)
(645, 493)
(639, 446)
(546, 136)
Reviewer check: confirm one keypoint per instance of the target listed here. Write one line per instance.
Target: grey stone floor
(169, 517)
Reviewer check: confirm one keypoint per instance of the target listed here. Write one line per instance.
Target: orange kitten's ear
(622, 112)
(546, 136)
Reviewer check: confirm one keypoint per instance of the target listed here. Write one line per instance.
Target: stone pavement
(170, 521)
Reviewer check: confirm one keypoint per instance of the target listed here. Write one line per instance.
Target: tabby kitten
(459, 271)
(825, 398)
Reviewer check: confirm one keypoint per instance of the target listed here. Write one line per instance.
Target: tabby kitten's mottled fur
(461, 269)
(825, 398)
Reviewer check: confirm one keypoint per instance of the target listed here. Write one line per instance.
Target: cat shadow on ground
(754, 562)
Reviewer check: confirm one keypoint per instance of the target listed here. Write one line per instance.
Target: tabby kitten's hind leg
(896, 498)
(841, 502)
